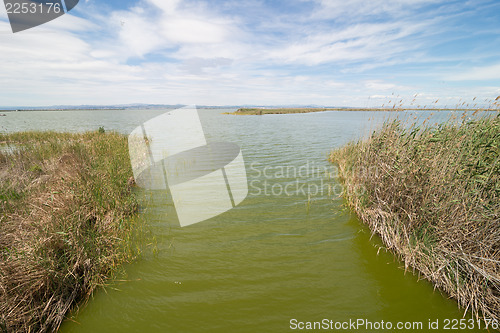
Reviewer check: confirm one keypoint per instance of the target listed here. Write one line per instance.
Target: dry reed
(433, 196)
(64, 225)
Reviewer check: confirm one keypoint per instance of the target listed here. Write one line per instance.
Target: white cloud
(491, 72)
(189, 52)
(137, 34)
(379, 85)
(358, 9)
(199, 65)
(169, 28)
(36, 47)
(381, 42)
(192, 30)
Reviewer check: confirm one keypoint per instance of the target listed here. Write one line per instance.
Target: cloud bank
(322, 52)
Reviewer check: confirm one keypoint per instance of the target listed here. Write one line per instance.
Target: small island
(262, 111)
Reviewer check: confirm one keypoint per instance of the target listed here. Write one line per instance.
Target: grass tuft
(65, 223)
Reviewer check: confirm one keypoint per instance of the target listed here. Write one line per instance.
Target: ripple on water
(272, 258)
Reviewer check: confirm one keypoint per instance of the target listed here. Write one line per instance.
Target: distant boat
(2, 114)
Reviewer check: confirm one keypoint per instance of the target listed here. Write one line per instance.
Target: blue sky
(234, 52)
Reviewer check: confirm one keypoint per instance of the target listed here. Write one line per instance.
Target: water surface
(295, 254)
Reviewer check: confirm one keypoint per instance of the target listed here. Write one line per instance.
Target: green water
(277, 256)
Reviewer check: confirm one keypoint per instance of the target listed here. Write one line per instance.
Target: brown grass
(262, 111)
(64, 225)
(433, 196)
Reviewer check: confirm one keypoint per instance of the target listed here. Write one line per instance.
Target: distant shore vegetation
(264, 111)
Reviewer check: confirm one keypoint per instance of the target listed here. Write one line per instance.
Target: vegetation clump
(262, 111)
(65, 222)
(433, 195)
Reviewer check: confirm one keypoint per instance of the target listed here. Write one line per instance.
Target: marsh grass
(65, 223)
(433, 195)
(262, 111)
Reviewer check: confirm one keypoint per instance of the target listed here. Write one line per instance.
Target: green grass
(433, 196)
(66, 223)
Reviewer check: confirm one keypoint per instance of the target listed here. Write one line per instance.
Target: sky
(243, 52)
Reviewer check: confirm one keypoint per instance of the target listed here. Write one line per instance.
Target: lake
(284, 255)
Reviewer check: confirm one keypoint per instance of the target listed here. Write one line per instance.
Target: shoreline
(432, 196)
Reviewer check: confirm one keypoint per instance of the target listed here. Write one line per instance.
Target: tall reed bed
(65, 222)
(433, 195)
